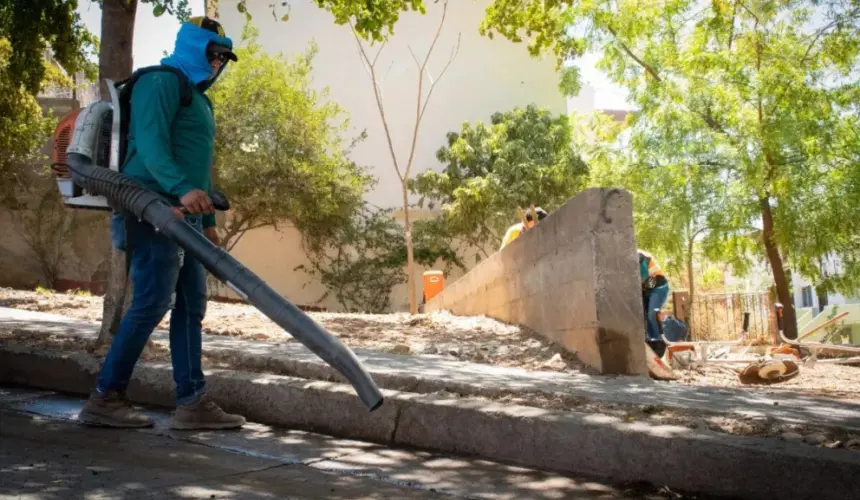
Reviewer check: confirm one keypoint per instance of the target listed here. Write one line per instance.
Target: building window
(807, 296)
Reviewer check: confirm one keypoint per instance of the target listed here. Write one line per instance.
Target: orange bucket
(434, 283)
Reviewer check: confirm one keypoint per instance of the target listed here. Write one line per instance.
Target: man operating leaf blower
(171, 136)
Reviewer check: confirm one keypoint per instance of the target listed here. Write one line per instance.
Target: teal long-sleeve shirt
(170, 147)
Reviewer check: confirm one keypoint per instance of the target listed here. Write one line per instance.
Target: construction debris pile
(756, 364)
(483, 340)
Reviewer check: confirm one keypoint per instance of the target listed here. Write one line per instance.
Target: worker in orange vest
(655, 292)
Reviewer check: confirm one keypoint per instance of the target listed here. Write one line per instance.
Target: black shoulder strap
(185, 89)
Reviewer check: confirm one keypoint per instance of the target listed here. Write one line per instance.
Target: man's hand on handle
(197, 201)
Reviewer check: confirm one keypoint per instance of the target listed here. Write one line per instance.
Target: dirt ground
(474, 339)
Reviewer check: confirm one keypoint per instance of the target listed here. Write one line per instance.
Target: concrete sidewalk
(428, 374)
(42, 446)
(617, 450)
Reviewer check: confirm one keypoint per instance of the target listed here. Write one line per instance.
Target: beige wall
(487, 76)
(273, 255)
(83, 250)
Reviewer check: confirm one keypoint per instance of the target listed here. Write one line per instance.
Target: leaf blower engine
(88, 150)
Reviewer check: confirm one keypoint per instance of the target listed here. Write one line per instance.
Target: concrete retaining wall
(573, 278)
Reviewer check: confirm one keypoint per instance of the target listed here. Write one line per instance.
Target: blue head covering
(189, 54)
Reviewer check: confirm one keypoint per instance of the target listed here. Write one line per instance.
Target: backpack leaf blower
(86, 161)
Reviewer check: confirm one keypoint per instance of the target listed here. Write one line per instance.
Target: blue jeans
(163, 279)
(654, 299)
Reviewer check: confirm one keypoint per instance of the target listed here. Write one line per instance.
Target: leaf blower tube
(156, 210)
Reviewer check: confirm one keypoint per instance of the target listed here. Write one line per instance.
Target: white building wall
(833, 267)
(584, 101)
(487, 76)
(833, 299)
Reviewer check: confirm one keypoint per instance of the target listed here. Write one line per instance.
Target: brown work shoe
(204, 414)
(112, 410)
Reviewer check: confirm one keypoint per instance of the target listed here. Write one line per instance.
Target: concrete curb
(431, 374)
(587, 444)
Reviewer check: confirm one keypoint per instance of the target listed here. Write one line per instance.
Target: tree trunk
(212, 9)
(820, 291)
(822, 299)
(691, 278)
(410, 264)
(691, 242)
(115, 63)
(783, 292)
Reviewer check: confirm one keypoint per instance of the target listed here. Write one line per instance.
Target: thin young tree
(404, 169)
(211, 8)
(115, 63)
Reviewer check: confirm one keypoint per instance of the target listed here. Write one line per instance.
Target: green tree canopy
(278, 151)
(33, 26)
(771, 84)
(678, 195)
(27, 30)
(23, 130)
(371, 20)
(362, 261)
(522, 156)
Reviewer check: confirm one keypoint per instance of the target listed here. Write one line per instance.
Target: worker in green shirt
(170, 151)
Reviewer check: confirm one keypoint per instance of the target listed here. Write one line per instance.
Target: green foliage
(176, 8)
(522, 156)
(278, 148)
(371, 20)
(34, 25)
(27, 30)
(23, 130)
(712, 278)
(364, 260)
(677, 194)
(767, 89)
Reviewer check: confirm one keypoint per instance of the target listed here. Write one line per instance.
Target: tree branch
(732, 30)
(455, 50)
(824, 29)
(648, 68)
(370, 67)
(422, 68)
(809, 48)
(753, 14)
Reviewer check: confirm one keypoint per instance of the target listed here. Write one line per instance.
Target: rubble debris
(478, 339)
(769, 371)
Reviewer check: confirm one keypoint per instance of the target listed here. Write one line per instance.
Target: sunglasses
(219, 56)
